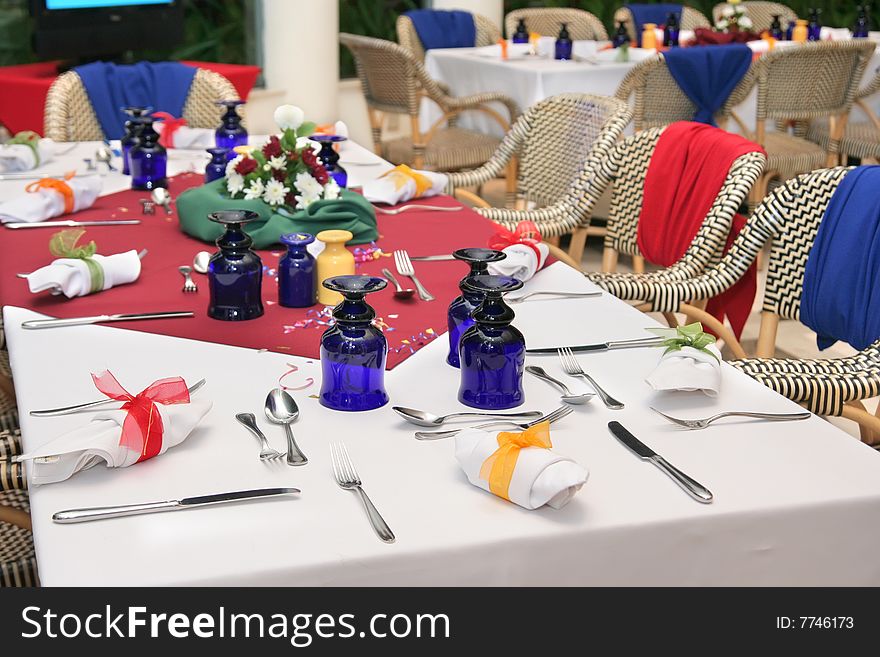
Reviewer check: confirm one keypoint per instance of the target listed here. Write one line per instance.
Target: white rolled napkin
(190, 138)
(521, 262)
(73, 277)
(399, 184)
(98, 442)
(46, 203)
(835, 34)
(541, 475)
(20, 157)
(688, 369)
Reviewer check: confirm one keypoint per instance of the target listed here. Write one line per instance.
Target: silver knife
(69, 516)
(67, 410)
(603, 346)
(70, 223)
(692, 487)
(97, 319)
(22, 175)
(433, 258)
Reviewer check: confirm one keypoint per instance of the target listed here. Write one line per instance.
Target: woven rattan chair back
(760, 13)
(691, 19)
(582, 25)
(387, 72)
(69, 115)
(487, 34)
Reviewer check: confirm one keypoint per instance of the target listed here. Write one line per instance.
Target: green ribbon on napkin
(64, 245)
(691, 335)
(28, 138)
(351, 212)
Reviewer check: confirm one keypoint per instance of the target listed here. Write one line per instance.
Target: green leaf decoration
(691, 335)
(63, 245)
(306, 129)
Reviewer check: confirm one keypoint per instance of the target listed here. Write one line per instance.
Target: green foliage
(373, 18)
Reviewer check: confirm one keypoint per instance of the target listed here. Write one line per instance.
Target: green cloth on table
(351, 212)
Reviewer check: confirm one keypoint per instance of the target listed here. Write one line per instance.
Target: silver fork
(416, 206)
(705, 422)
(405, 268)
(573, 368)
(188, 283)
(266, 452)
(550, 417)
(347, 478)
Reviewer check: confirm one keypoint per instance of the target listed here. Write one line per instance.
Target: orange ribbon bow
(498, 468)
(172, 124)
(59, 186)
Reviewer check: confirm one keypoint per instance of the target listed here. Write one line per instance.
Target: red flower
(308, 156)
(320, 174)
(290, 199)
(272, 147)
(280, 175)
(245, 166)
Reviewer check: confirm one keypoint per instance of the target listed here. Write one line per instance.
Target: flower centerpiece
(285, 171)
(733, 18)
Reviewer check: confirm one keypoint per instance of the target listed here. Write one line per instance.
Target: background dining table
(795, 503)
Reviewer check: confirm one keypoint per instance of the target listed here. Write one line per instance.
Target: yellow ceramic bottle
(334, 260)
(799, 33)
(649, 36)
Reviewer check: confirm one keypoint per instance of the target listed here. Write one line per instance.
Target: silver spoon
(567, 395)
(105, 156)
(425, 419)
(162, 196)
(282, 409)
(200, 262)
(400, 292)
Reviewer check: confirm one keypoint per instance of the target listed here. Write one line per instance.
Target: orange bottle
(649, 36)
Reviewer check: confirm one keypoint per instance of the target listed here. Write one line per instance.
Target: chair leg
(578, 243)
(15, 517)
(638, 264)
(609, 260)
(766, 346)
(511, 175)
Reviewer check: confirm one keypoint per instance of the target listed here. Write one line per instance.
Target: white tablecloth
(529, 80)
(795, 503)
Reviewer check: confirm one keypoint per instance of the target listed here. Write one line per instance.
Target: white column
(491, 9)
(301, 54)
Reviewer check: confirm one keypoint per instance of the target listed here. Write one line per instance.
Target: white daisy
(728, 11)
(255, 190)
(234, 183)
(230, 166)
(745, 22)
(331, 190)
(277, 162)
(275, 192)
(307, 185)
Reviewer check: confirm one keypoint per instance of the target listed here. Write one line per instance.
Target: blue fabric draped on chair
(657, 14)
(707, 74)
(444, 29)
(164, 86)
(841, 295)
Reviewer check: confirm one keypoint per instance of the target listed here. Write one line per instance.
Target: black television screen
(82, 30)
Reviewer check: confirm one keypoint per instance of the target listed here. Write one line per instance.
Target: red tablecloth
(25, 88)
(408, 325)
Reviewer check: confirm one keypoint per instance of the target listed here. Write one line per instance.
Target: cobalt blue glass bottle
(492, 352)
(522, 34)
(459, 313)
(353, 351)
(330, 158)
(235, 273)
(231, 133)
(671, 31)
(776, 28)
(563, 43)
(862, 24)
(132, 132)
(148, 159)
(297, 272)
(789, 31)
(621, 36)
(216, 168)
(814, 27)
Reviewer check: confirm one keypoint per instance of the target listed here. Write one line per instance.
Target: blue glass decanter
(216, 168)
(353, 351)
(621, 36)
(148, 159)
(564, 44)
(814, 26)
(862, 25)
(671, 31)
(776, 30)
(522, 34)
(492, 352)
(235, 272)
(459, 313)
(231, 133)
(132, 132)
(330, 158)
(297, 272)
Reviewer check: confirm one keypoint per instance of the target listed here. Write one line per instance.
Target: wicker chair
(691, 19)
(788, 218)
(812, 81)
(556, 142)
(394, 81)
(582, 25)
(487, 34)
(761, 13)
(860, 139)
(18, 563)
(69, 115)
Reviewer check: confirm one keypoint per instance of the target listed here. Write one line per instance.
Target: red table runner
(408, 325)
(25, 88)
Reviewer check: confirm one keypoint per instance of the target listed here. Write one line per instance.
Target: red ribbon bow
(526, 232)
(171, 126)
(142, 430)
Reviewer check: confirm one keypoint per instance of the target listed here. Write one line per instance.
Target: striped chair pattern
(582, 25)
(18, 563)
(555, 143)
(69, 115)
(691, 19)
(487, 34)
(761, 13)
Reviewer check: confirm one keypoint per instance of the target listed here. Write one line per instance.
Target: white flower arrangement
(733, 18)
